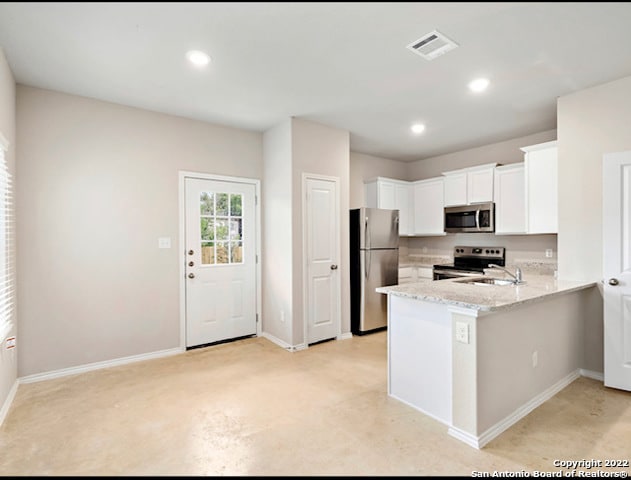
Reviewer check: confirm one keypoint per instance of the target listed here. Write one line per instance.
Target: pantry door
(220, 260)
(617, 269)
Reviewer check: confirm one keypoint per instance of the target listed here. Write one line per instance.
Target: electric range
(470, 262)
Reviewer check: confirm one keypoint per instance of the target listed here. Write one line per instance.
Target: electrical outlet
(548, 253)
(164, 242)
(535, 359)
(282, 316)
(462, 332)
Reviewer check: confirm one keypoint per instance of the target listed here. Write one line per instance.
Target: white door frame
(182, 245)
(305, 262)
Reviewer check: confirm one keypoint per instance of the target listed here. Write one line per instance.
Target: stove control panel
(486, 252)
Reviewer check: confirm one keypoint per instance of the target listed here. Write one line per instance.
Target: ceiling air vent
(432, 45)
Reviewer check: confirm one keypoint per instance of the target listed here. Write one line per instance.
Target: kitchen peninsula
(479, 357)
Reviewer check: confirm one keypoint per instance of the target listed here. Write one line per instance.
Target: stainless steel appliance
(470, 261)
(470, 218)
(374, 252)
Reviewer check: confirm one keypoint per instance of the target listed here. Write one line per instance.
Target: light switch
(462, 332)
(164, 242)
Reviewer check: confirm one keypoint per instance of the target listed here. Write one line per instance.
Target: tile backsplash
(525, 251)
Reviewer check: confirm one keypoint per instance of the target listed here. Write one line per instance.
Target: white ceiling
(342, 64)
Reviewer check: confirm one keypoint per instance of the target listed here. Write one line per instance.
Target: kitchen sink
(486, 281)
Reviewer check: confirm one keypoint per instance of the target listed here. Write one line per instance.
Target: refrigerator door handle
(367, 264)
(367, 235)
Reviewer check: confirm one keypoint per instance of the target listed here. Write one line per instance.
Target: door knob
(190, 252)
(190, 264)
(613, 281)
(191, 275)
(333, 267)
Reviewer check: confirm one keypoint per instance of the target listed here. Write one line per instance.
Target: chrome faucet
(517, 275)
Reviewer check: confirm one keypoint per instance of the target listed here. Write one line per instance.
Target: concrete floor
(251, 408)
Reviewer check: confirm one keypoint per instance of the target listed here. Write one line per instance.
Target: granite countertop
(489, 298)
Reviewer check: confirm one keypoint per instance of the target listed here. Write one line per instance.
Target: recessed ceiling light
(417, 128)
(198, 58)
(479, 84)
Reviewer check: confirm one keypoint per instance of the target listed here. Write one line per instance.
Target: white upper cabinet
(391, 194)
(469, 185)
(541, 183)
(510, 199)
(455, 188)
(429, 218)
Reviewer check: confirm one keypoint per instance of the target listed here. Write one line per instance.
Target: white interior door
(220, 239)
(617, 268)
(322, 230)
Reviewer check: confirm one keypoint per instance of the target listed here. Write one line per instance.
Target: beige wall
(365, 167)
(8, 358)
(277, 233)
(98, 184)
(590, 123)
(502, 153)
(320, 150)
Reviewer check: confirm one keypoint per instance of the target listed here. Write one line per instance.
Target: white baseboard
(513, 418)
(591, 374)
(38, 377)
(344, 336)
(465, 437)
(282, 343)
(438, 419)
(8, 401)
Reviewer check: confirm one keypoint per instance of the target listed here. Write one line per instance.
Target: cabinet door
(455, 189)
(402, 203)
(480, 185)
(387, 195)
(510, 199)
(542, 190)
(429, 207)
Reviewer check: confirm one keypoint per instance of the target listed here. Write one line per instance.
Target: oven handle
(477, 219)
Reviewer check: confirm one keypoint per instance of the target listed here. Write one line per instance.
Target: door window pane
(235, 205)
(222, 205)
(235, 229)
(208, 253)
(223, 253)
(208, 228)
(236, 252)
(207, 203)
(221, 228)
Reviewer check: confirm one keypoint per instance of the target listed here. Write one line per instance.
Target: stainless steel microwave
(470, 218)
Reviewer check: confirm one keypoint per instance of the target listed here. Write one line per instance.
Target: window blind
(7, 250)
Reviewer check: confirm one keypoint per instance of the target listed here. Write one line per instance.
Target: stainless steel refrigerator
(374, 250)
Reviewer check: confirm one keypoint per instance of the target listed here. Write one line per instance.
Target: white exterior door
(617, 268)
(322, 244)
(220, 241)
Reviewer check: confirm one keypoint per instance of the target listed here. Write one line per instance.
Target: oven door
(441, 274)
(470, 218)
